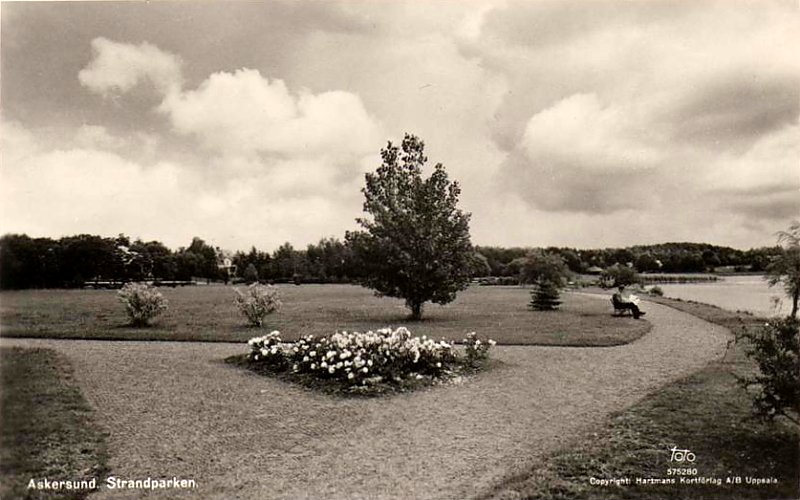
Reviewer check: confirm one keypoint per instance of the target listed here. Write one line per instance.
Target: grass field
(707, 412)
(47, 430)
(208, 313)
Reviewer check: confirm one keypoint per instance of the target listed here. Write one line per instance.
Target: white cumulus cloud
(122, 66)
(244, 112)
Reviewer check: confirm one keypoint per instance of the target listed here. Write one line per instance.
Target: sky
(586, 124)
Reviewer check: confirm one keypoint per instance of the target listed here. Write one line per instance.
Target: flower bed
(371, 362)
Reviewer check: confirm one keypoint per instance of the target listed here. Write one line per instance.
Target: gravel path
(174, 409)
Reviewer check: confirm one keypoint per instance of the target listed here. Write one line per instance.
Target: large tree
(785, 268)
(416, 246)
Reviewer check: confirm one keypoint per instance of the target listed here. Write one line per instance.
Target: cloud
(580, 155)
(770, 163)
(84, 190)
(240, 112)
(581, 132)
(97, 136)
(56, 192)
(763, 182)
(259, 149)
(243, 112)
(121, 66)
(620, 106)
(711, 72)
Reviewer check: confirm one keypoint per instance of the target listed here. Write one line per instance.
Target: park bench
(620, 308)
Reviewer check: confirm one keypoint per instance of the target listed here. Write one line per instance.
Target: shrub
(250, 274)
(267, 349)
(657, 291)
(545, 297)
(355, 359)
(360, 358)
(257, 302)
(775, 350)
(476, 350)
(142, 302)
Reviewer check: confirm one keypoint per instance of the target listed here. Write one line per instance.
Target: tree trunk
(795, 297)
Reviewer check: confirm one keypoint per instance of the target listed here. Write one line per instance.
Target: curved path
(173, 409)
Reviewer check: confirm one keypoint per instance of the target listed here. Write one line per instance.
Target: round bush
(257, 302)
(142, 302)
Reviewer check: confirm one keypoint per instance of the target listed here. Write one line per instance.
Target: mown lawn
(47, 430)
(707, 413)
(208, 313)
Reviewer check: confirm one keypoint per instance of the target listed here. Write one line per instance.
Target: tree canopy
(540, 267)
(416, 245)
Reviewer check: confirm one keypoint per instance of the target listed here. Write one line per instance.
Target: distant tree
(571, 259)
(546, 297)
(18, 257)
(647, 263)
(207, 257)
(549, 273)
(544, 267)
(479, 265)
(416, 245)
(250, 274)
(188, 265)
(86, 257)
(284, 262)
(620, 276)
(785, 268)
(514, 268)
(162, 259)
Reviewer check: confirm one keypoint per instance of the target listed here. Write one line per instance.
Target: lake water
(742, 293)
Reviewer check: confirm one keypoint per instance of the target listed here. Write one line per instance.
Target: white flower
(312, 353)
(365, 370)
(331, 369)
(323, 364)
(313, 366)
(492, 343)
(438, 365)
(351, 376)
(305, 359)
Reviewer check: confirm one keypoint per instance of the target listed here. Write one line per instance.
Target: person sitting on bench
(624, 300)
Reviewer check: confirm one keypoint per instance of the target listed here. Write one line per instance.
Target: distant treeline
(76, 261)
(661, 258)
